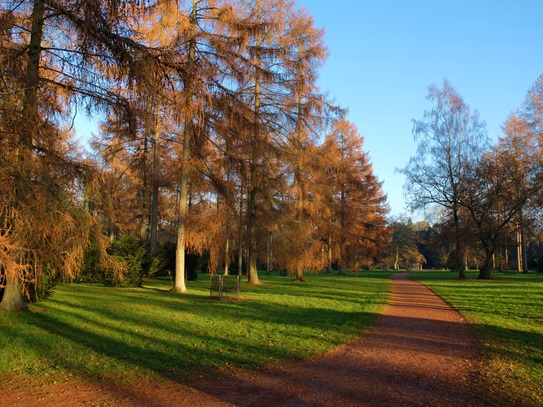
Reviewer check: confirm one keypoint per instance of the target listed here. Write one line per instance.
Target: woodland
(218, 153)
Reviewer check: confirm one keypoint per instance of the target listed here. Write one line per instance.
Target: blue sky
(385, 53)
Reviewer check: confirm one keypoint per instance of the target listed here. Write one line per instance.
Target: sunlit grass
(93, 332)
(507, 315)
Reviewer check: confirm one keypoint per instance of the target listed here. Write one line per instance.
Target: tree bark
(329, 269)
(458, 263)
(227, 254)
(268, 252)
(155, 186)
(240, 232)
(519, 250)
(252, 271)
(486, 270)
(180, 283)
(143, 226)
(523, 245)
(13, 295)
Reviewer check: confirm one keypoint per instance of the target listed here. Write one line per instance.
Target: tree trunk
(300, 273)
(240, 232)
(13, 295)
(519, 250)
(298, 177)
(486, 270)
(227, 254)
(268, 252)
(155, 185)
(252, 271)
(180, 283)
(523, 245)
(329, 254)
(524, 253)
(143, 226)
(457, 261)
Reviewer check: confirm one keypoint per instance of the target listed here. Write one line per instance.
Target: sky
(384, 54)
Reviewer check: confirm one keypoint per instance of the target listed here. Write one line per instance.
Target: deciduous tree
(451, 139)
(357, 202)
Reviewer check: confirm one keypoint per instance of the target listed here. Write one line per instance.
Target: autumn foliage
(213, 136)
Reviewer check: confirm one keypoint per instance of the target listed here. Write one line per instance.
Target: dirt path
(420, 353)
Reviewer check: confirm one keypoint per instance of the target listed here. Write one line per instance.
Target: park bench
(223, 285)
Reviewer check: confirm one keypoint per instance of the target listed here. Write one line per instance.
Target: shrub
(133, 254)
(163, 264)
(126, 250)
(537, 264)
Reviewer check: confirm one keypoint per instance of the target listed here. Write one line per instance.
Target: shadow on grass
(180, 346)
(95, 339)
(99, 341)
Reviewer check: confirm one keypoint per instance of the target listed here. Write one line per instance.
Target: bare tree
(451, 139)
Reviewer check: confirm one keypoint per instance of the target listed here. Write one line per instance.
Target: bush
(537, 264)
(127, 250)
(163, 264)
(91, 270)
(43, 286)
(133, 254)
(192, 261)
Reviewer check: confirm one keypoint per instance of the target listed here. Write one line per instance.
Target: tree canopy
(214, 137)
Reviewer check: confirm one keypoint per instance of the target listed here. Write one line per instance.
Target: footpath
(420, 353)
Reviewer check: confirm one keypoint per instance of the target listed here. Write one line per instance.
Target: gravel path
(420, 353)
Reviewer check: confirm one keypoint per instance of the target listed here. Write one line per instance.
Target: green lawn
(507, 316)
(93, 332)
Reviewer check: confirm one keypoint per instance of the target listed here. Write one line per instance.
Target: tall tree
(303, 110)
(499, 187)
(357, 202)
(65, 52)
(451, 139)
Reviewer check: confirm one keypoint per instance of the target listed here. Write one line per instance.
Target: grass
(507, 316)
(98, 333)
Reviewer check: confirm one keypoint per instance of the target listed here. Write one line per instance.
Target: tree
(451, 139)
(404, 245)
(499, 187)
(304, 53)
(357, 203)
(522, 148)
(58, 55)
(506, 184)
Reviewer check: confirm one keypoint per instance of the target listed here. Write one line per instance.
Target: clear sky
(385, 53)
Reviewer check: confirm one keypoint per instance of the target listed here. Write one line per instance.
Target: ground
(420, 353)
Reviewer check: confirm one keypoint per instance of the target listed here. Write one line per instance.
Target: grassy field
(92, 332)
(507, 316)
(96, 333)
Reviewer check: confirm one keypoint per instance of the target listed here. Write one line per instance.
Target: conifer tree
(357, 203)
